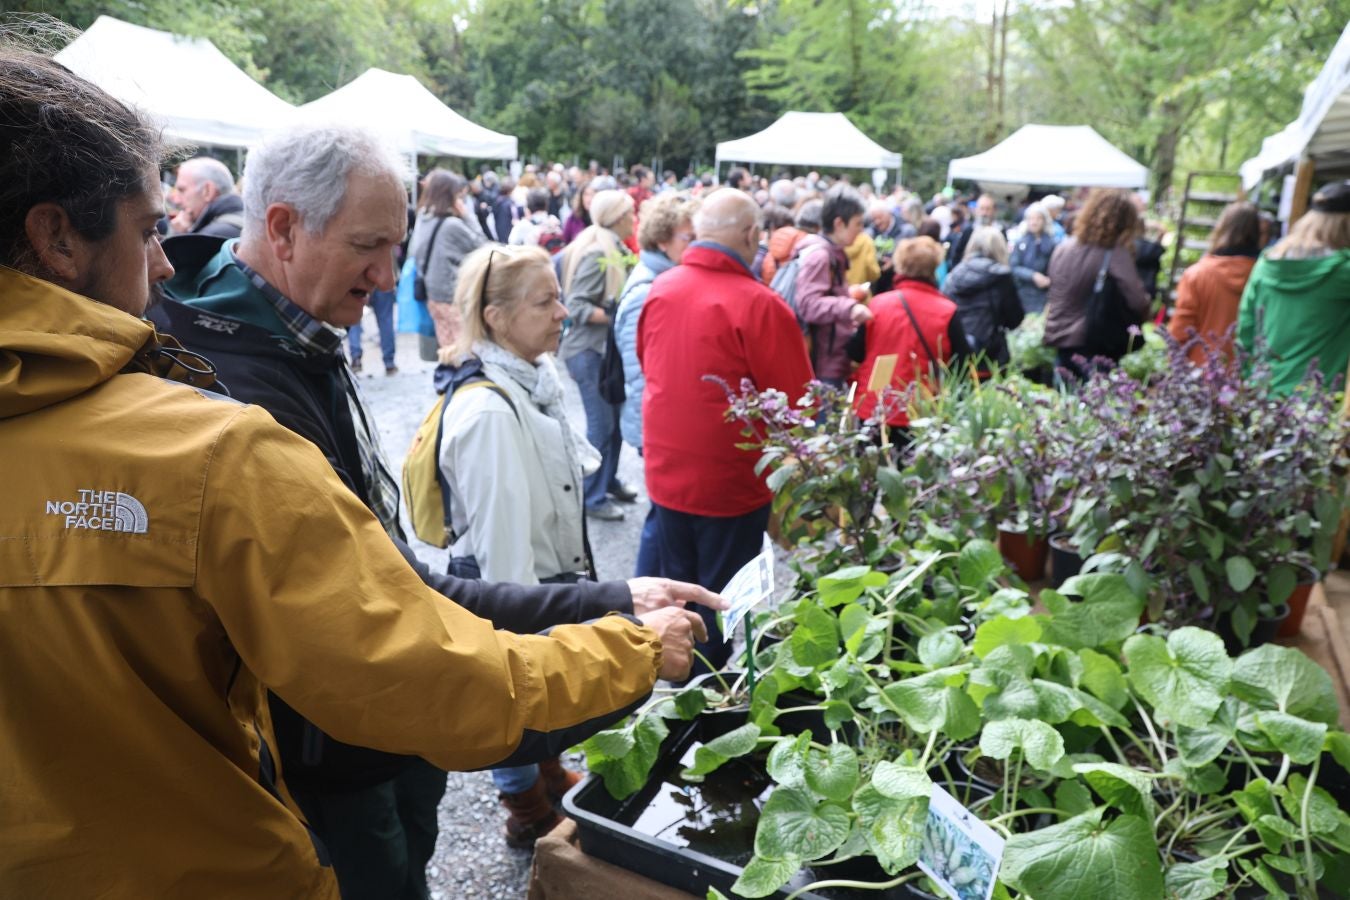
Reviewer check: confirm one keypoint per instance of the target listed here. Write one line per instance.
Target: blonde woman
(593, 275)
(1297, 301)
(985, 295)
(514, 465)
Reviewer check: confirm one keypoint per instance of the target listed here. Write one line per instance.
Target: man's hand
(1041, 281)
(678, 630)
(181, 223)
(651, 594)
(860, 314)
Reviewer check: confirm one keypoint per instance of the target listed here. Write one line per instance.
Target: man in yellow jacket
(166, 556)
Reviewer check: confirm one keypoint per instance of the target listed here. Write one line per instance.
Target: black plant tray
(605, 825)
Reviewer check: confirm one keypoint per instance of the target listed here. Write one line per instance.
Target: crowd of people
(223, 664)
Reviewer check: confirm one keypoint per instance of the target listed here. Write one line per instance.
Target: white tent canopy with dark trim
(409, 116)
(810, 139)
(1054, 156)
(185, 84)
(1321, 131)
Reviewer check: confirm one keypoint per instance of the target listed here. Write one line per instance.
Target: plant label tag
(882, 370)
(960, 853)
(749, 587)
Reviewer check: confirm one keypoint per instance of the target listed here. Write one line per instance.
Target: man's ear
(59, 248)
(283, 226)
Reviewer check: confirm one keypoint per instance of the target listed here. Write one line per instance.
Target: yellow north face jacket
(163, 556)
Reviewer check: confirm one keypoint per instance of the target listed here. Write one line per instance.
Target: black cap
(1333, 198)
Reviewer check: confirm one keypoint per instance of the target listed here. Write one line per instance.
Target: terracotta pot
(1024, 555)
(1298, 603)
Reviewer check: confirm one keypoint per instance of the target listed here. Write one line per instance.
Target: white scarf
(542, 382)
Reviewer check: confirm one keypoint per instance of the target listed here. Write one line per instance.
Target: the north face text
(102, 511)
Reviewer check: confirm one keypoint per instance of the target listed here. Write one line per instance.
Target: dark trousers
(649, 551)
(708, 550)
(379, 837)
(382, 302)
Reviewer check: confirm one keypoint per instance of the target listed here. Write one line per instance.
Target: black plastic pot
(695, 856)
(1064, 559)
(1263, 632)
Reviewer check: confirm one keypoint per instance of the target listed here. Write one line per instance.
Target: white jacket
(510, 477)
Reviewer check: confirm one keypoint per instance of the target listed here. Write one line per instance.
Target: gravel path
(471, 859)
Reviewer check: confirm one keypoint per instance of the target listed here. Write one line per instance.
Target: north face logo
(102, 511)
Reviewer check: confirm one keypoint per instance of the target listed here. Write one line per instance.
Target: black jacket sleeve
(856, 348)
(956, 340)
(1010, 312)
(526, 610)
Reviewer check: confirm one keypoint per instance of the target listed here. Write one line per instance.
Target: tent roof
(1068, 155)
(810, 139)
(1322, 128)
(186, 84)
(410, 117)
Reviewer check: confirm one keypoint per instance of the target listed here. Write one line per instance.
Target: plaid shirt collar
(311, 334)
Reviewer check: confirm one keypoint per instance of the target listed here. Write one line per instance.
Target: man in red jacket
(710, 316)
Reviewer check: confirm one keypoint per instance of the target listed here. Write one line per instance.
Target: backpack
(426, 492)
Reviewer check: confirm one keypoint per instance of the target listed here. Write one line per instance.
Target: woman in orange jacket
(1209, 291)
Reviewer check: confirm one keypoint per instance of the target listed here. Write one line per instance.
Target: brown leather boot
(532, 816)
(557, 779)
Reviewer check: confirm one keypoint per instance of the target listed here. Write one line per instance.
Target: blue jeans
(602, 426)
(708, 550)
(383, 304)
(515, 779)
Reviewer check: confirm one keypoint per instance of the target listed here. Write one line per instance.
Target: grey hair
(1053, 203)
(912, 211)
(307, 167)
(212, 171)
(988, 241)
(876, 205)
(784, 193)
(1038, 209)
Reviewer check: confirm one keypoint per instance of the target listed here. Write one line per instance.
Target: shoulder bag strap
(1101, 273)
(932, 358)
(424, 264)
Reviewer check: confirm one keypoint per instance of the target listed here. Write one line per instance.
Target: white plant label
(960, 853)
(749, 587)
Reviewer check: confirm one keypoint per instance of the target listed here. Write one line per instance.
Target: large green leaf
(1120, 786)
(1197, 746)
(1002, 631)
(1085, 857)
(901, 782)
(1282, 678)
(978, 562)
(624, 773)
(1108, 613)
(793, 823)
(1184, 678)
(1197, 880)
(814, 641)
(893, 827)
(834, 773)
(939, 649)
(1300, 739)
(764, 876)
(1103, 678)
(1041, 745)
(713, 754)
(847, 585)
(930, 702)
(787, 761)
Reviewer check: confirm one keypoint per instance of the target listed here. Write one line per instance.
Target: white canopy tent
(186, 84)
(1051, 155)
(810, 139)
(410, 118)
(1322, 130)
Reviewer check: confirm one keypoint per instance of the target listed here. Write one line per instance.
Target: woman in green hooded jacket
(1295, 310)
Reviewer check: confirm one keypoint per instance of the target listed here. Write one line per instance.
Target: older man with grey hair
(203, 191)
(784, 193)
(325, 209)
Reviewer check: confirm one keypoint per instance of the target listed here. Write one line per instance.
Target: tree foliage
(1179, 84)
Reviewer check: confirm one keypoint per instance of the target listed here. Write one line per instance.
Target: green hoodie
(1304, 310)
